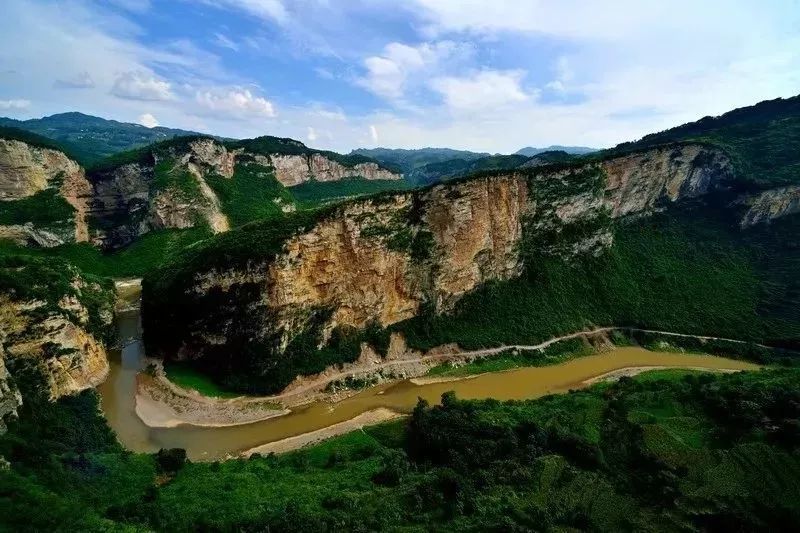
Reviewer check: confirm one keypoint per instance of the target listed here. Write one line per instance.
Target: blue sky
(490, 75)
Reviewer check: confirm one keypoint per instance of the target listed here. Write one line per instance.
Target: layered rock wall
(26, 170)
(293, 170)
(58, 338)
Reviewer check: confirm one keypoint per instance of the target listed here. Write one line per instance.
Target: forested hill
(89, 138)
(762, 139)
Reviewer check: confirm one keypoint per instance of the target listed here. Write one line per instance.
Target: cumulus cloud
(387, 74)
(147, 120)
(312, 134)
(14, 104)
(81, 80)
(141, 86)
(234, 103)
(487, 89)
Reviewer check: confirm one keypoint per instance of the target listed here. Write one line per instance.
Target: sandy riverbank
(369, 418)
(161, 404)
(615, 375)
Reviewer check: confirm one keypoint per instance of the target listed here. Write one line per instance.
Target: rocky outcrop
(293, 170)
(30, 235)
(771, 204)
(10, 397)
(26, 170)
(168, 192)
(645, 181)
(61, 337)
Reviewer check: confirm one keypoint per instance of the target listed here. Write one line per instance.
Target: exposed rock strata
(26, 170)
(56, 338)
(293, 170)
(772, 204)
(382, 261)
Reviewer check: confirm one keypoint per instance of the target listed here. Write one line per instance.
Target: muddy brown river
(208, 443)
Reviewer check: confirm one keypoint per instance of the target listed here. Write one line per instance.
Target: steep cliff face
(57, 327)
(165, 190)
(28, 171)
(771, 204)
(648, 180)
(296, 169)
(380, 261)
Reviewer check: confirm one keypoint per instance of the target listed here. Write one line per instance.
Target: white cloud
(234, 103)
(14, 104)
(147, 120)
(484, 90)
(141, 86)
(312, 134)
(388, 73)
(272, 10)
(373, 133)
(82, 80)
(223, 41)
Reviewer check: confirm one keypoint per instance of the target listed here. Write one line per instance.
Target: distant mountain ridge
(530, 151)
(90, 138)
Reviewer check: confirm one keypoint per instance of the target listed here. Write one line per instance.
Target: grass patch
(186, 376)
(252, 193)
(46, 208)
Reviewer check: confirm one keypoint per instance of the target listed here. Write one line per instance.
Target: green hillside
(91, 138)
(762, 139)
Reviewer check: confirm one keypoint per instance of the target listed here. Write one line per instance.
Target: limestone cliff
(380, 261)
(164, 189)
(27, 171)
(58, 327)
(771, 204)
(291, 169)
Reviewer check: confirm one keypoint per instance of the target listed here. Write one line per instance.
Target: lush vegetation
(278, 145)
(253, 193)
(9, 131)
(312, 193)
(762, 140)
(411, 162)
(145, 254)
(187, 376)
(672, 451)
(45, 209)
(26, 279)
(452, 168)
(90, 139)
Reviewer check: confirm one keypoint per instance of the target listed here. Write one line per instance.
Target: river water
(205, 443)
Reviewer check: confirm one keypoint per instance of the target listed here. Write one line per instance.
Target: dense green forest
(666, 451)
